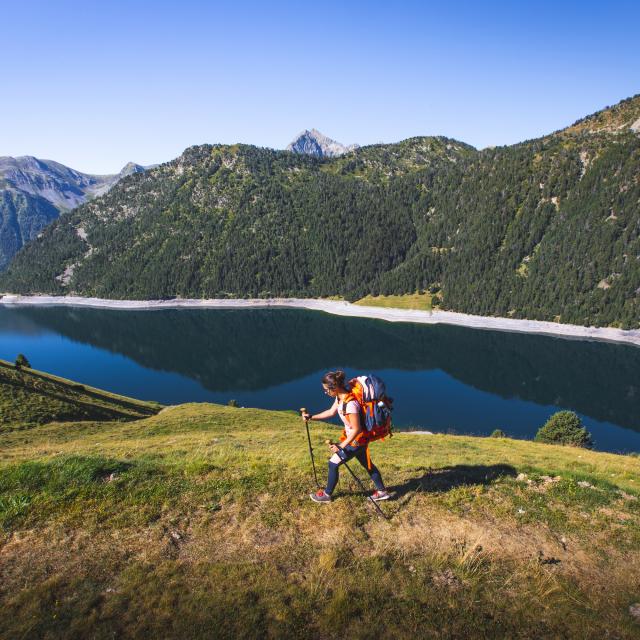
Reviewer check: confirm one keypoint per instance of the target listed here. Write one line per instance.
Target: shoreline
(342, 308)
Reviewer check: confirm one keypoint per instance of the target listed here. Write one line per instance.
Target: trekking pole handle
(303, 411)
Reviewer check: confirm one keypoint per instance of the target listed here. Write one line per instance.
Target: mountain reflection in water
(236, 350)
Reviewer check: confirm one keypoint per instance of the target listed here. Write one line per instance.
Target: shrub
(564, 427)
(21, 361)
(498, 433)
(233, 403)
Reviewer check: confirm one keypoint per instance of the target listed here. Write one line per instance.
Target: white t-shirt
(352, 407)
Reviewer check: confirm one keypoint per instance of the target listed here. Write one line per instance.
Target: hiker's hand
(334, 448)
(306, 416)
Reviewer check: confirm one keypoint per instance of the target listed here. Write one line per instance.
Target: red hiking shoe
(320, 496)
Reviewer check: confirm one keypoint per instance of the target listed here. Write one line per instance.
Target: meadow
(195, 522)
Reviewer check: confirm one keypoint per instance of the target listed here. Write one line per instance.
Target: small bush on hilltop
(565, 427)
(498, 433)
(21, 361)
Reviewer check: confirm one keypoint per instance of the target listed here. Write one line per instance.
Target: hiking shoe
(380, 495)
(320, 496)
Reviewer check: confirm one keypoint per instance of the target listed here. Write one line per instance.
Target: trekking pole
(303, 412)
(355, 477)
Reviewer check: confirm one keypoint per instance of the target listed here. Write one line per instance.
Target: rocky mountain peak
(315, 143)
(129, 168)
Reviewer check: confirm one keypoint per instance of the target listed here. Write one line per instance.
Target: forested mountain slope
(546, 229)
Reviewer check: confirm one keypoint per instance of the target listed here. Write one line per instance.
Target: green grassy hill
(29, 397)
(196, 523)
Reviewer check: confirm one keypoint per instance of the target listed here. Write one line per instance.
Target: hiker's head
(332, 382)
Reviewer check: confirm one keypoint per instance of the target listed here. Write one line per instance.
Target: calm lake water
(443, 378)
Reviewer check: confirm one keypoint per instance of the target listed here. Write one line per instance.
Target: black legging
(360, 454)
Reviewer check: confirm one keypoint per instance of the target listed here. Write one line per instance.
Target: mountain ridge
(34, 191)
(546, 229)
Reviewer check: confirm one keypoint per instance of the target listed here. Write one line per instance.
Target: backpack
(370, 392)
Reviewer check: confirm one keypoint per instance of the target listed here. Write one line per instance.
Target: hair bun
(334, 379)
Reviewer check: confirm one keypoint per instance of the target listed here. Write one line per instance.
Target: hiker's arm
(329, 413)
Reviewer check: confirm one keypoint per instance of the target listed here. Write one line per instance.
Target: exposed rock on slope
(619, 118)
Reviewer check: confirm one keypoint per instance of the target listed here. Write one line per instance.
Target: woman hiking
(347, 407)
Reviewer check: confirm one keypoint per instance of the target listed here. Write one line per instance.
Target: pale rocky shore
(345, 309)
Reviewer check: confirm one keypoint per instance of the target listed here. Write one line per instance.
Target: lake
(443, 378)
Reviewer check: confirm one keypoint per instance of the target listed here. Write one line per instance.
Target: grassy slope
(196, 523)
(29, 397)
(418, 301)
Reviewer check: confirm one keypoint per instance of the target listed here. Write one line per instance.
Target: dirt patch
(447, 579)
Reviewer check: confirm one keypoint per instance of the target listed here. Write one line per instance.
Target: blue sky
(94, 85)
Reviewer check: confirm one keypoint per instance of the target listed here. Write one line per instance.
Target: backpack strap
(347, 399)
(362, 436)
